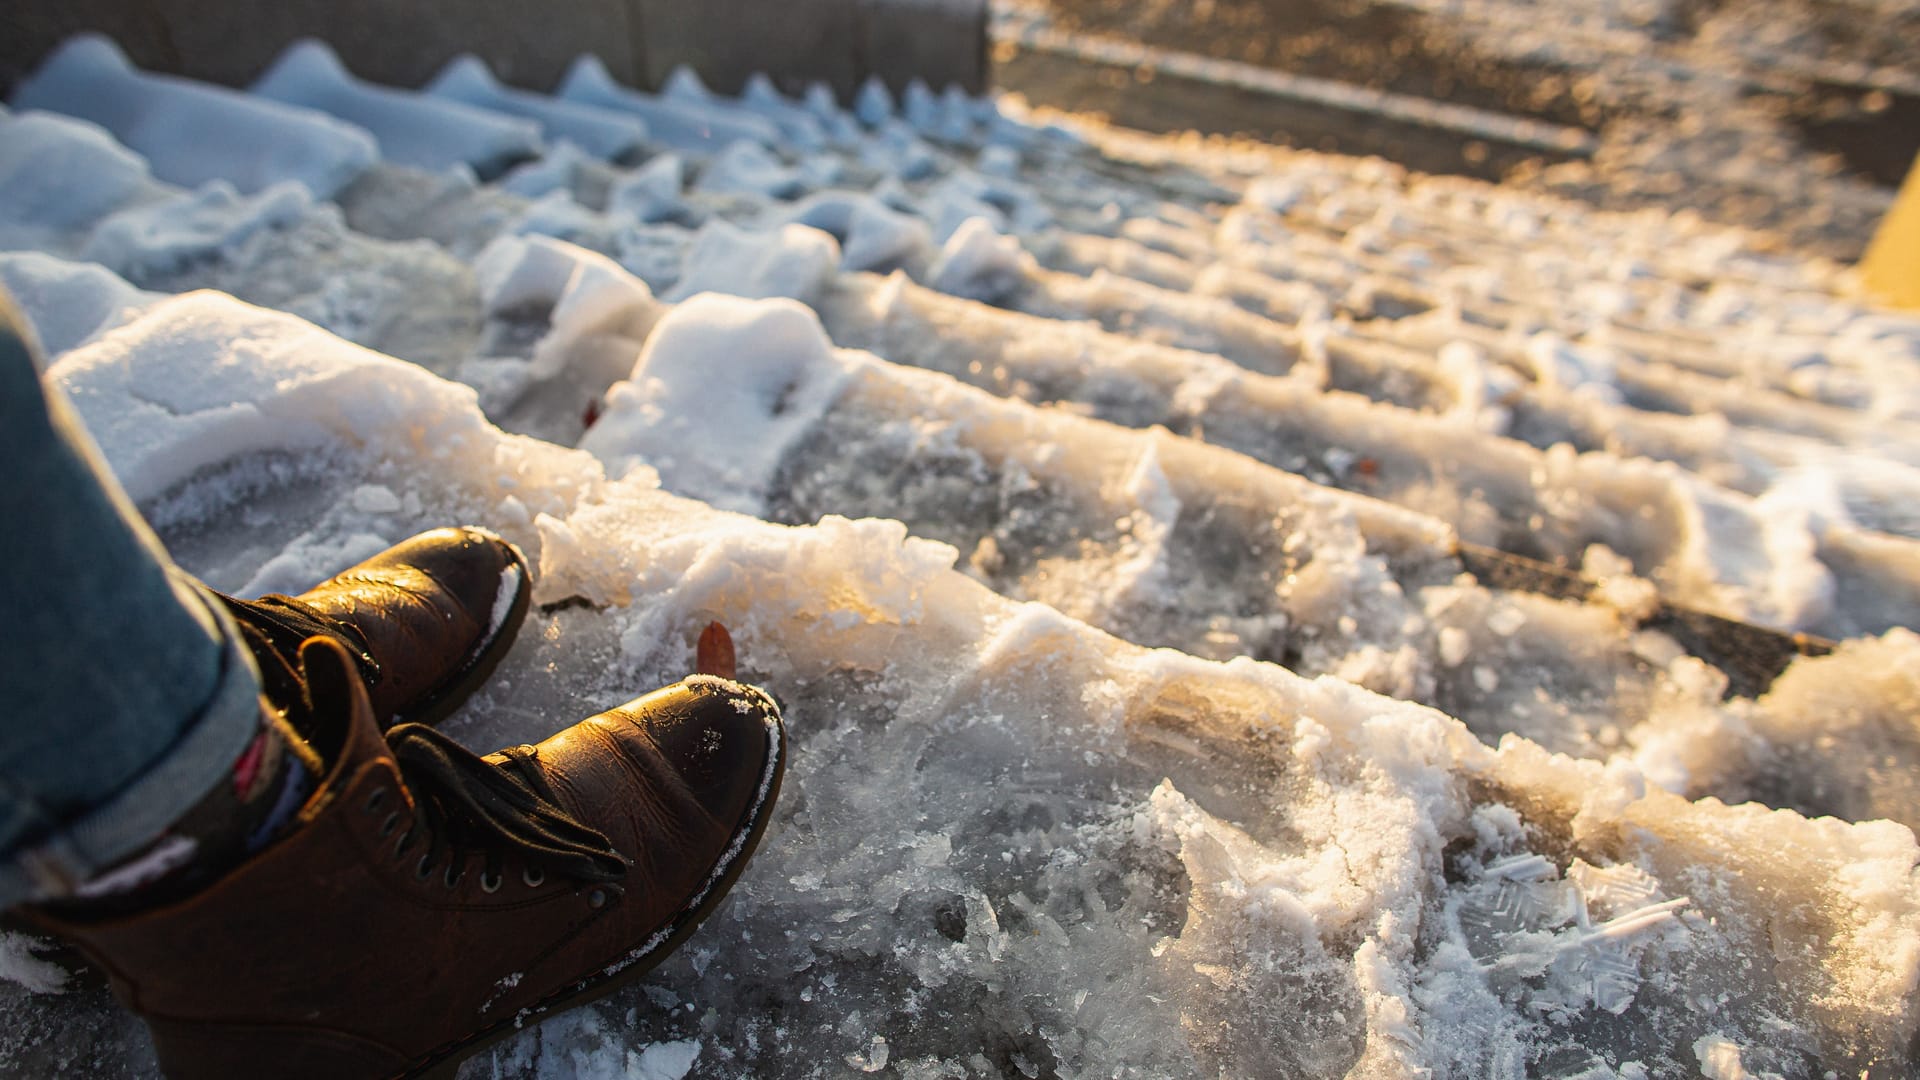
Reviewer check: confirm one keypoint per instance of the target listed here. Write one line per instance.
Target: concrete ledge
(839, 42)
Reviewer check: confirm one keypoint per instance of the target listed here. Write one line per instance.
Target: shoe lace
(467, 804)
(277, 626)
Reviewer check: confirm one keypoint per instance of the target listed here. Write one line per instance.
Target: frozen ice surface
(1145, 720)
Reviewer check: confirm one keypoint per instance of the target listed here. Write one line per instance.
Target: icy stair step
(1671, 526)
(1152, 537)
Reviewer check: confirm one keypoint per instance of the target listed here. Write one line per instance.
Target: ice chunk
(979, 263)
(842, 128)
(412, 129)
(954, 118)
(874, 105)
(721, 389)
(20, 964)
(896, 150)
(193, 132)
(872, 235)
(651, 192)
(586, 294)
(792, 261)
(684, 84)
(919, 107)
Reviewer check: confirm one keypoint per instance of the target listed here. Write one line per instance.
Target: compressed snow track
(1014, 840)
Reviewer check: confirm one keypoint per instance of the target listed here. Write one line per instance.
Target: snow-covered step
(1157, 539)
(1650, 390)
(1707, 547)
(412, 129)
(1656, 388)
(1270, 282)
(62, 176)
(1581, 303)
(192, 132)
(398, 343)
(66, 303)
(278, 248)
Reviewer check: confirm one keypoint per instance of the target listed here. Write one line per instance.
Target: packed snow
(1118, 522)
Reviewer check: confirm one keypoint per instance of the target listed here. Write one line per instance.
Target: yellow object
(1891, 269)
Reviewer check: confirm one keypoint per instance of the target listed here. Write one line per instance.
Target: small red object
(714, 654)
(593, 412)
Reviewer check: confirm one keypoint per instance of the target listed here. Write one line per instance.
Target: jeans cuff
(204, 754)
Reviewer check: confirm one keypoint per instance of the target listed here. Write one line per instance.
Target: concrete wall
(530, 45)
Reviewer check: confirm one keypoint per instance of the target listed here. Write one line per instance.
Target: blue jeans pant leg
(125, 690)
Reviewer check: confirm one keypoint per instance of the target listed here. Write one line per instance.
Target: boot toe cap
(480, 571)
(722, 739)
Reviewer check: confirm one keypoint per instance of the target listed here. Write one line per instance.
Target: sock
(247, 810)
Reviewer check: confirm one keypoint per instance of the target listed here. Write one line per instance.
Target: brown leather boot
(429, 902)
(426, 621)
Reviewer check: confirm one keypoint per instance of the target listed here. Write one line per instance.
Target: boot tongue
(490, 804)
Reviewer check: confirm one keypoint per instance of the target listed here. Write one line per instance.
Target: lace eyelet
(401, 845)
(597, 898)
(422, 868)
(452, 877)
(489, 883)
(374, 800)
(534, 878)
(387, 826)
